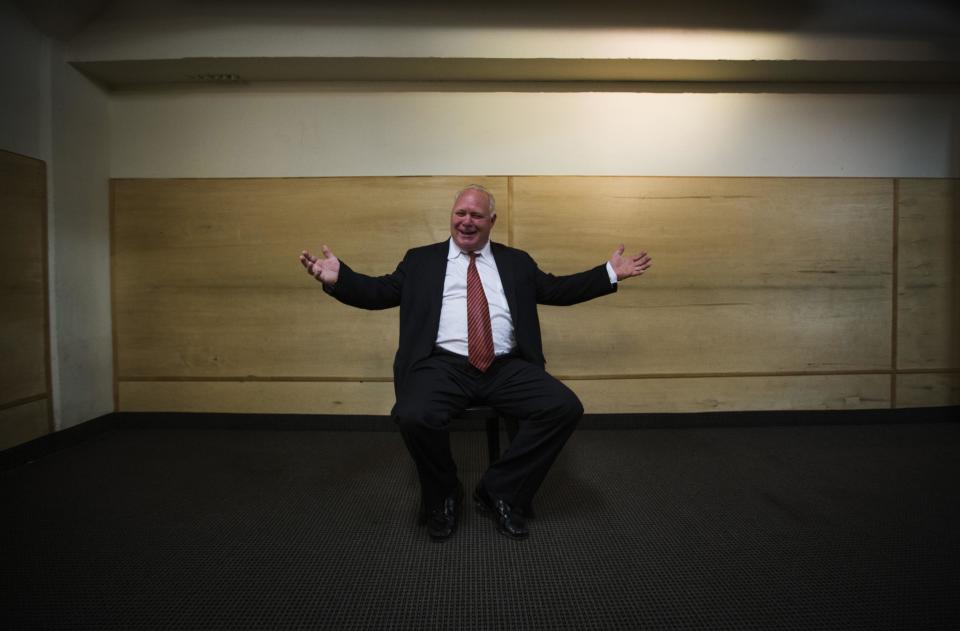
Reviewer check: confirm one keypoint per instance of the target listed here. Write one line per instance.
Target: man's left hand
(629, 266)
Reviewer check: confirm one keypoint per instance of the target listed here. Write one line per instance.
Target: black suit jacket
(416, 286)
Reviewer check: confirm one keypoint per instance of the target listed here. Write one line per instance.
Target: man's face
(471, 221)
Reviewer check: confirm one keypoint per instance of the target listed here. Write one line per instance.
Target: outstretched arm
(629, 266)
(569, 290)
(353, 288)
(326, 269)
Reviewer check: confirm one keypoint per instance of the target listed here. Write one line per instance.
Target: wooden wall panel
(814, 392)
(22, 423)
(273, 397)
(24, 337)
(23, 330)
(928, 300)
(928, 390)
(724, 394)
(207, 281)
(749, 275)
(766, 293)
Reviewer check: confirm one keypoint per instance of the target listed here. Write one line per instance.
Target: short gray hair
(492, 205)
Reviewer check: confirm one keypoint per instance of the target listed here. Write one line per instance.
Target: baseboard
(57, 441)
(211, 420)
(770, 418)
(652, 420)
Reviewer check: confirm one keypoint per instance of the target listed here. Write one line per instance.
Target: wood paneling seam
(23, 401)
(623, 377)
(47, 350)
(113, 294)
(510, 211)
(893, 302)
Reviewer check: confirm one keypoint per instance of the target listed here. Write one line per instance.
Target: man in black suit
(469, 334)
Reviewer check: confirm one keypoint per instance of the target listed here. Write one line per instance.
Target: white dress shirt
(452, 335)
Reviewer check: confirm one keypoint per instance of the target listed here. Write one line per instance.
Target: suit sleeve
(368, 292)
(574, 288)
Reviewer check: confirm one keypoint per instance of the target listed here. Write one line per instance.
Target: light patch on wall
(264, 133)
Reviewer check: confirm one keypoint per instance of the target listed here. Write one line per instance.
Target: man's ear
(493, 219)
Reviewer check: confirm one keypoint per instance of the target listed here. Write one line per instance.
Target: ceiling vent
(215, 77)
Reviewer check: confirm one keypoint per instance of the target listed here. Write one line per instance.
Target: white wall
(52, 113)
(308, 131)
(315, 129)
(80, 256)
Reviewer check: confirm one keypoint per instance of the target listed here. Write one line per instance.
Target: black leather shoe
(509, 523)
(442, 519)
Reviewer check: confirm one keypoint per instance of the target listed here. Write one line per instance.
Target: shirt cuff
(611, 274)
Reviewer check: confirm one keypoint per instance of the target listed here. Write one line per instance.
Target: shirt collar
(455, 251)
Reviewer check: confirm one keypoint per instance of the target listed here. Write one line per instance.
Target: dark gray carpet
(828, 527)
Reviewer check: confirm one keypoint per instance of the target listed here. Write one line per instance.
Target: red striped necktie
(479, 332)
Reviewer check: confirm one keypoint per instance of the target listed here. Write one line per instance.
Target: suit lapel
(506, 271)
(435, 281)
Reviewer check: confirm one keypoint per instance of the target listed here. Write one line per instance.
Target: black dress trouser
(439, 387)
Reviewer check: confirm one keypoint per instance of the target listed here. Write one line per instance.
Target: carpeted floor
(818, 527)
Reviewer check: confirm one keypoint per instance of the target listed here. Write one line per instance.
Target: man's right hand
(326, 269)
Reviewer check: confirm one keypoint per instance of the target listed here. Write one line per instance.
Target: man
(469, 334)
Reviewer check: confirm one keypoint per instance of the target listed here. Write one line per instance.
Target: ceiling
(934, 22)
(63, 19)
